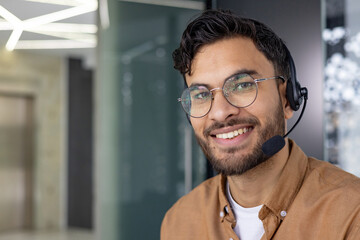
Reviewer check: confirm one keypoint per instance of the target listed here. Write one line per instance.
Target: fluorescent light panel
(44, 24)
(171, 3)
(69, 35)
(14, 38)
(55, 27)
(8, 16)
(54, 44)
(60, 15)
(4, 25)
(63, 2)
(68, 27)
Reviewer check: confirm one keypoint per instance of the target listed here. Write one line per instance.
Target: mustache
(216, 125)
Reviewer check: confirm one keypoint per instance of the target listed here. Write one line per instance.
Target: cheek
(264, 108)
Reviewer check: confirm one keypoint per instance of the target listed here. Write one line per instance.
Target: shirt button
(222, 214)
(231, 239)
(283, 213)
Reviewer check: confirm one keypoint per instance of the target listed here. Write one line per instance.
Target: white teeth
(233, 134)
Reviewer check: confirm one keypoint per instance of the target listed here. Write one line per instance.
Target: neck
(253, 187)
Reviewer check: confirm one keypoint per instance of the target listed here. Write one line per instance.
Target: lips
(232, 134)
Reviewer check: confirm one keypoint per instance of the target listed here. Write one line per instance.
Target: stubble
(235, 164)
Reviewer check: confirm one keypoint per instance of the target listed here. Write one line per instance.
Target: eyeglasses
(239, 90)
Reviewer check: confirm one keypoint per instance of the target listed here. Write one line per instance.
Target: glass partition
(146, 154)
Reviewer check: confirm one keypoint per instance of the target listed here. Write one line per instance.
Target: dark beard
(237, 166)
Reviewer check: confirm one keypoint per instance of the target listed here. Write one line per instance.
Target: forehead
(217, 61)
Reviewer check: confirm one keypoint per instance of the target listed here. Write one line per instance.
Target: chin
(236, 164)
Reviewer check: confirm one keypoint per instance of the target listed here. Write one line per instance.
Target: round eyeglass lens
(196, 101)
(240, 90)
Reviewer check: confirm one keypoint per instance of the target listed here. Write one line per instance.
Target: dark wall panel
(80, 153)
(299, 24)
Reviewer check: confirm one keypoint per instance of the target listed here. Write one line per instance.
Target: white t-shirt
(248, 225)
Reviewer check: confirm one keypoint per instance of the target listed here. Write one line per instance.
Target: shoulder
(189, 211)
(329, 199)
(321, 176)
(339, 186)
(333, 175)
(206, 192)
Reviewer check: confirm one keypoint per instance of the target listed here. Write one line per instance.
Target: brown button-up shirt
(312, 200)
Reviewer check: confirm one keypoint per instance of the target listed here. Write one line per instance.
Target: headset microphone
(276, 143)
(295, 95)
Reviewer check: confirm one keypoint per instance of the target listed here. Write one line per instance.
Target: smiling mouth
(234, 134)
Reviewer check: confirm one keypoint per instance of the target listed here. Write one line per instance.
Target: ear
(288, 111)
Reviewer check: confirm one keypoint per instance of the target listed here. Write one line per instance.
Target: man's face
(234, 155)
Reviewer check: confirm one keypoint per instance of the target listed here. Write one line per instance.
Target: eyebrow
(250, 72)
(243, 71)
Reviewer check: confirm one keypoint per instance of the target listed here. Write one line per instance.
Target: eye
(240, 84)
(200, 95)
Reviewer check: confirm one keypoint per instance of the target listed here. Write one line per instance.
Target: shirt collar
(284, 191)
(288, 184)
(225, 207)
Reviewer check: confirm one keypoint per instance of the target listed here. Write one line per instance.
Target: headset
(294, 92)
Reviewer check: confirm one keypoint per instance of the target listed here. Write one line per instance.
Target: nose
(221, 109)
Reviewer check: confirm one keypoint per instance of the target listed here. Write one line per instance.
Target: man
(236, 71)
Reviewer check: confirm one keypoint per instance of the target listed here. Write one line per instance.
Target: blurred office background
(93, 142)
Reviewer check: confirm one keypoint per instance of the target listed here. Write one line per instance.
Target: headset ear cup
(293, 88)
(293, 100)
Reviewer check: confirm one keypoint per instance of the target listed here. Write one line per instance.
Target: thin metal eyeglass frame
(222, 88)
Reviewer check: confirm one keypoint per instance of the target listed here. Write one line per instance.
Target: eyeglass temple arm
(263, 79)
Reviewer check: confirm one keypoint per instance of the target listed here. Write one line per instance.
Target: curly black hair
(214, 25)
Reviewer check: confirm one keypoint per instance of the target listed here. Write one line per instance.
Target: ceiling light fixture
(45, 25)
(63, 2)
(5, 25)
(60, 15)
(172, 3)
(8, 16)
(54, 44)
(14, 38)
(68, 27)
